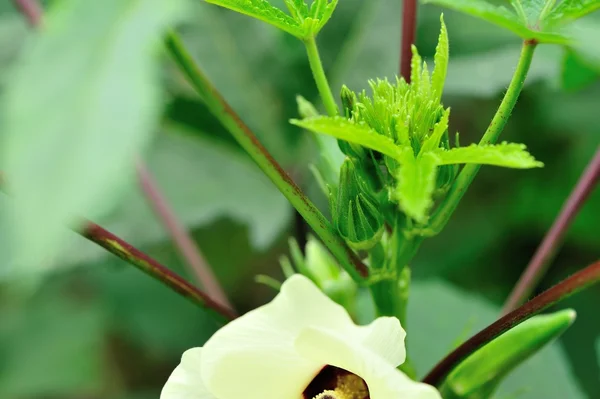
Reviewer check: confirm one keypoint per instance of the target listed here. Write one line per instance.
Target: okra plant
(391, 167)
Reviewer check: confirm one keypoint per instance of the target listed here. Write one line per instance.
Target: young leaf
(522, 21)
(570, 10)
(509, 155)
(323, 11)
(298, 9)
(263, 10)
(433, 142)
(82, 102)
(482, 372)
(442, 54)
(416, 183)
(343, 129)
(498, 15)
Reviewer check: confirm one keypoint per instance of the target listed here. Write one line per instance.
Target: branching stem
(468, 173)
(545, 252)
(318, 72)
(249, 142)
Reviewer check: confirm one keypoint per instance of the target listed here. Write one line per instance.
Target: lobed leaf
(498, 15)
(509, 155)
(570, 10)
(323, 12)
(263, 10)
(70, 137)
(351, 132)
(298, 9)
(523, 21)
(416, 184)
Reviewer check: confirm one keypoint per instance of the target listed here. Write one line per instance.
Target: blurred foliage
(102, 330)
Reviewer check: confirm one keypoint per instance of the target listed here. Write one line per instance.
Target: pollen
(336, 383)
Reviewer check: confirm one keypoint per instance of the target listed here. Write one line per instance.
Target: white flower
(300, 345)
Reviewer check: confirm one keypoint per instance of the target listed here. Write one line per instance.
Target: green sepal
(481, 373)
(356, 211)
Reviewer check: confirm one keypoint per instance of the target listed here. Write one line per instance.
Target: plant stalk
(249, 142)
(31, 9)
(318, 72)
(409, 27)
(468, 173)
(190, 252)
(151, 267)
(538, 266)
(577, 282)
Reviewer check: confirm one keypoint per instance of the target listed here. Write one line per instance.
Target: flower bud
(356, 212)
(481, 373)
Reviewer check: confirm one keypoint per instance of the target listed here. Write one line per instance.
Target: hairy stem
(319, 75)
(183, 241)
(468, 173)
(148, 265)
(242, 134)
(544, 254)
(577, 282)
(409, 27)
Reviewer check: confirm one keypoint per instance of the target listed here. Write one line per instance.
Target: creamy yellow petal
(185, 381)
(254, 356)
(382, 378)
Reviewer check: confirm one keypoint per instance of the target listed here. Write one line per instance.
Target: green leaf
(575, 73)
(436, 305)
(432, 142)
(585, 44)
(82, 102)
(498, 15)
(481, 373)
(323, 10)
(521, 21)
(52, 345)
(343, 129)
(263, 10)
(416, 183)
(570, 10)
(221, 176)
(442, 55)
(298, 9)
(509, 155)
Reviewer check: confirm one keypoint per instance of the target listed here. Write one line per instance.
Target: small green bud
(446, 173)
(481, 373)
(356, 215)
(348, 101)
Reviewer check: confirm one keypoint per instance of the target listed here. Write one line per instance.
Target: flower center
(335, 383)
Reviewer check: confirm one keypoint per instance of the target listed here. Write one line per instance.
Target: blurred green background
(93, 327)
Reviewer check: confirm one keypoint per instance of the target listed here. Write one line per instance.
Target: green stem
(468, 173)
(249, 142)
(319, 75)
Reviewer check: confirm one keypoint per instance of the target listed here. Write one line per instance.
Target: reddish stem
(409, 26)
(31, 9)
(577, 282)
(185, 244)
(544, 254)
(148, 265)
